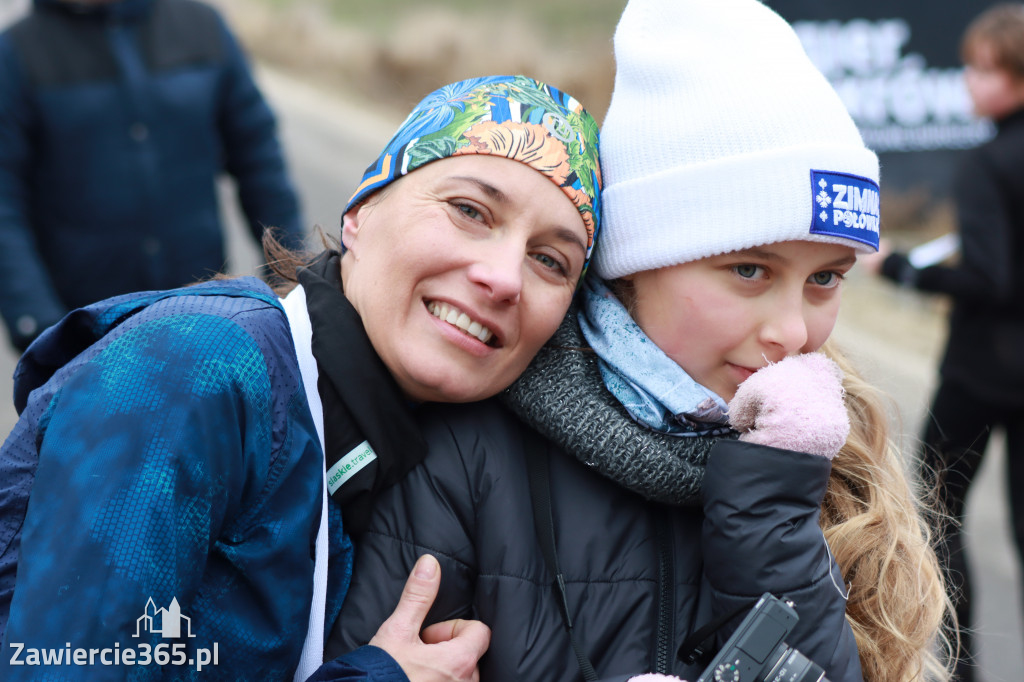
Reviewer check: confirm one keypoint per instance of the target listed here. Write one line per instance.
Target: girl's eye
(828, 279)
(747, 270)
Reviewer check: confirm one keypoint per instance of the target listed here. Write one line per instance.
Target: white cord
(849, 586)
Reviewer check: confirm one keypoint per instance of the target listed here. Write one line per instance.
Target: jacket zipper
(666, 592)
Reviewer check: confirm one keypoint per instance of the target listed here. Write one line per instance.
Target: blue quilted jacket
(175, 476)
(115, 121)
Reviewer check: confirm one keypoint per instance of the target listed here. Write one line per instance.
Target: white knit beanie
(722, 135)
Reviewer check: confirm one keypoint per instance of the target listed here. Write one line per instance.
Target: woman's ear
(352, 221)
(350, 227)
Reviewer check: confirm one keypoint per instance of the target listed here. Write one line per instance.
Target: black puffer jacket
(986, 324)
(641, 575)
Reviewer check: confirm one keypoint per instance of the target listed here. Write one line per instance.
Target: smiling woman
(493, 246)
(194, 444)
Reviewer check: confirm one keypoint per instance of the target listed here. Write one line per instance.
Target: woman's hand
(443, 652)
(795, 404)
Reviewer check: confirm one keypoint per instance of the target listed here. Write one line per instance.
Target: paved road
(894, 338)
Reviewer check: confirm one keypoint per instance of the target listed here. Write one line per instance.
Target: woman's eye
(549, 262)
(469, 211)
(748, 271)
(827, 278)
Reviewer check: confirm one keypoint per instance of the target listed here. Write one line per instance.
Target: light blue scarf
(656, 391)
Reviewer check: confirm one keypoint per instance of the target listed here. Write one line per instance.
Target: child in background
(982, 372)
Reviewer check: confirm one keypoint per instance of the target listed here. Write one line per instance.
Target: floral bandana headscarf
(511, 116)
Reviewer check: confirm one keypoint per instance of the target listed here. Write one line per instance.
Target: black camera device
(756, 652)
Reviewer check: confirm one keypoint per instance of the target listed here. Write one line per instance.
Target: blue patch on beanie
(845, 205)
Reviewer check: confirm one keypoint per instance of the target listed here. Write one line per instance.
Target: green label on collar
(349, 465)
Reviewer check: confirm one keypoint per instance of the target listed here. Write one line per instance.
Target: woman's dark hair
(282, 263)
(280, 271)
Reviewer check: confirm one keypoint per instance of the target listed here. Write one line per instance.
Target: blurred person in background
(116, 119)
(215, 444)
(982, 372)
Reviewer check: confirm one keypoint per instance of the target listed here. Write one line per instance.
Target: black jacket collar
(361, 399)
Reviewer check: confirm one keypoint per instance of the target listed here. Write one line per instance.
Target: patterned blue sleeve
(168, 501)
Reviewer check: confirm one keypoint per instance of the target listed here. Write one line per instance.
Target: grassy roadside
(389, 53)
(392, 52)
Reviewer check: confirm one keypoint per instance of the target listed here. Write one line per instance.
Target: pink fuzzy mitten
(794, 404)
(655, 677)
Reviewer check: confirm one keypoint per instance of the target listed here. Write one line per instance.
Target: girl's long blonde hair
(877, 528)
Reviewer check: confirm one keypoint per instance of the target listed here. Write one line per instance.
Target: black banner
(896, 65)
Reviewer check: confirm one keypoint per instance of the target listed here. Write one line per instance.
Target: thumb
(417, 596)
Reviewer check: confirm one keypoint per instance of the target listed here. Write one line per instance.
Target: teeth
(456, 317)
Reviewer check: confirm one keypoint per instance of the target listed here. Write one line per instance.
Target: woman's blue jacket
(171, 456)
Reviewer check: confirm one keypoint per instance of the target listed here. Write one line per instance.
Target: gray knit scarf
(562, 396)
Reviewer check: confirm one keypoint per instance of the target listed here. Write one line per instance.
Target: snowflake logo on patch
(823, 216)
(822, 184)
(823, 199)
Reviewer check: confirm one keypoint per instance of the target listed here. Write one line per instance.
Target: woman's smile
(454, 316)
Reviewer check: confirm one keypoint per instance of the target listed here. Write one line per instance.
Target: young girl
(175, 442)
(738, 193)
